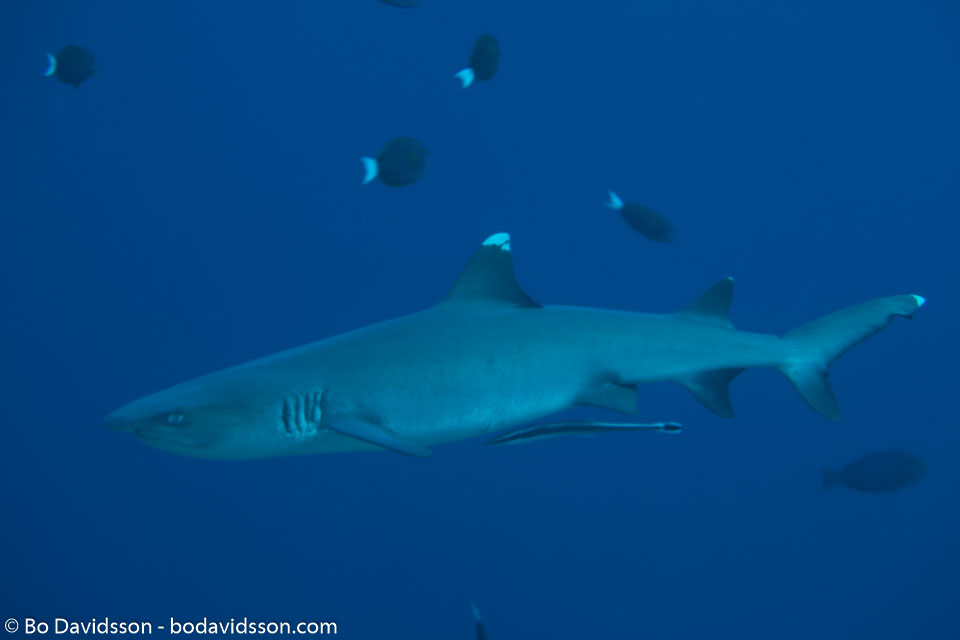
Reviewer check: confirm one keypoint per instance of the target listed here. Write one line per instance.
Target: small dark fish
(878, 473)
(400, 163)
(72, 65)
(645, 221)
(481, 630)
(403, 4)
(484, 61)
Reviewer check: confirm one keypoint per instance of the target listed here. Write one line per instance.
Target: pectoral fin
(375, 434)
(612, 396)
(579, 427)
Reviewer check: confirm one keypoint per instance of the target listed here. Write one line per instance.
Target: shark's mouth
(163, 439)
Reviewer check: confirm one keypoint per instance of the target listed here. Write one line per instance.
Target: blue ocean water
(197, 204)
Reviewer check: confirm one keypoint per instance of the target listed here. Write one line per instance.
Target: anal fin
(712, 389)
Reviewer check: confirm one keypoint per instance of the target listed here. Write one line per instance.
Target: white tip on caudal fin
(501, 240)
(615, 202)
(51, 65)
(370, 169)
(466, 77)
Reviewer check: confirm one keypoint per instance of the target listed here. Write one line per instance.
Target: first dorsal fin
(488, 277)
(714, 305)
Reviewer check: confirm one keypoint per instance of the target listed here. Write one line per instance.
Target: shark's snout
(117, 422)
(181, 420)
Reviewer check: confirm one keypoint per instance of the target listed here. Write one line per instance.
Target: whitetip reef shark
(487, 358)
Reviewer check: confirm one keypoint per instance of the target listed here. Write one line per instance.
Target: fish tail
(818, 344)
(830, 478)
(465, 76)
(614, 201)
(51, 65)
(370, 169)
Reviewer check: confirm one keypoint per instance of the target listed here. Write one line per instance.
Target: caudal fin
(51, 65)
(371, 169)
(614, 201)
(819, 343)
(466, 77)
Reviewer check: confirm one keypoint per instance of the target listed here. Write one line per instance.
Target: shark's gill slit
(300, 415)
(286, 416)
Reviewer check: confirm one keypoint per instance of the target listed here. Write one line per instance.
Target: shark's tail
(819, 343)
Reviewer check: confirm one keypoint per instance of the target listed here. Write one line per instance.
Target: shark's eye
(174, 419)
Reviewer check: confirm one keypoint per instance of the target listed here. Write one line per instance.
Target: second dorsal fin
(488, 277)
(713, 306)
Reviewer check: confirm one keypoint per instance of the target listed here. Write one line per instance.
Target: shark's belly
(455, 384)
(453, 401)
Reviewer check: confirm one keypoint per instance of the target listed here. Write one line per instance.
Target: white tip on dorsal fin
(714, 305)
(501, 240)
(370, 169)
(488, 277)
(615, 202)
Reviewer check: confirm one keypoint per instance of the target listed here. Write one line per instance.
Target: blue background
(198, 204)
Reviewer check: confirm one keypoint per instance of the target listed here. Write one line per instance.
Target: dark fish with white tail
(484, 61)
(73, 65)
(400, 163)
(644, 220)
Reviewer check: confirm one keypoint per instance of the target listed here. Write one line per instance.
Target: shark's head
(210, 417)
